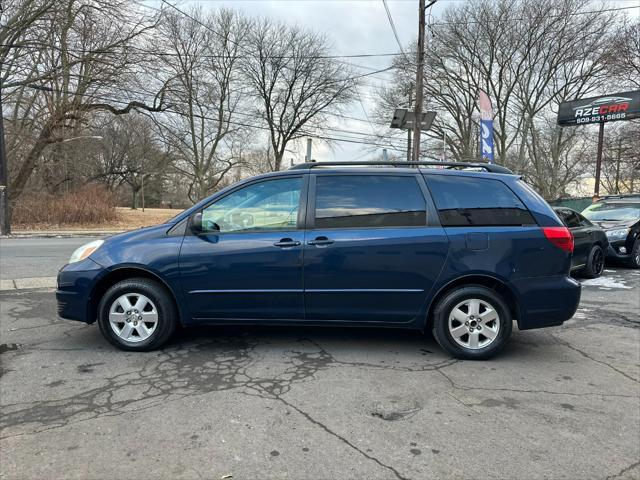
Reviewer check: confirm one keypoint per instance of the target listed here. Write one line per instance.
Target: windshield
(612, 211)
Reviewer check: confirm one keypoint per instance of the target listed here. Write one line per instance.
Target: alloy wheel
(133, 317)
(474, 323)
(598, 261)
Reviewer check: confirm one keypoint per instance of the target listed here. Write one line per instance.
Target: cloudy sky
(355, 27)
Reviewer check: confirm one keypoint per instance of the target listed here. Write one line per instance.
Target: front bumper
(75, 283)
(547, 301)
(613, 252)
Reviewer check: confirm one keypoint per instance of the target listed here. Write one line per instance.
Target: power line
(393, 26)
(548, 16)
(235, 122)
(38, 46)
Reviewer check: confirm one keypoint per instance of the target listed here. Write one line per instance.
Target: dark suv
(619, 217)
(461, 249)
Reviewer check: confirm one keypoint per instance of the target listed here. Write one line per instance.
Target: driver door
(246, 263)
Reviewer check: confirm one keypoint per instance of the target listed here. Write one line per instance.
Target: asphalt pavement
(36, 257)
(266, 402)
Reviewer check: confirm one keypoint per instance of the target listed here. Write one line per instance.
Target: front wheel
(634, 262)
(472, 322)
(137, 314)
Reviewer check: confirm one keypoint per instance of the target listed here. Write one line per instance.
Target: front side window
(570, 218)
(583, 221)
(471, 201)
(265, 206)
(357, 201)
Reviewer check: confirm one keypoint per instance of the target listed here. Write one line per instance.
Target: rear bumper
(75, 282)
(547, 301)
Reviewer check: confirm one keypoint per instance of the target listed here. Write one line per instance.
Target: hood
(140, 232)
(613, 225)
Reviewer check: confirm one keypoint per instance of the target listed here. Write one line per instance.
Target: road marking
(26, 283)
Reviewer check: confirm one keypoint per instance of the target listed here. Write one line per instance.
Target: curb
(13, 284)
(61, 234)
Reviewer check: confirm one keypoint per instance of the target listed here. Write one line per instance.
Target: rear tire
(595, 262)
(458, 315)
(137, 314)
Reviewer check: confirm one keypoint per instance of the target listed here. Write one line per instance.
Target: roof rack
(489, 167)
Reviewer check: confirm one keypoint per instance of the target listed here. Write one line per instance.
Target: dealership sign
(606, 108)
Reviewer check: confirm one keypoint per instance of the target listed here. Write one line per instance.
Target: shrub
(90, 204)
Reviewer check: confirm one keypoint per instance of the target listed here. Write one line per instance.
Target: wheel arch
(123, 273)
(475, 279)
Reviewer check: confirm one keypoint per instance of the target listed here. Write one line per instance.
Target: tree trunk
(134, 198)
(30, 161)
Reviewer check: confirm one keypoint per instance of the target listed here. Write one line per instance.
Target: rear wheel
(472, 322)
(595, 262)
(137, 314)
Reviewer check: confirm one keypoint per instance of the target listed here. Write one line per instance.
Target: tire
(137, 314)
(634, 262)
(457, 307)
(595, 262)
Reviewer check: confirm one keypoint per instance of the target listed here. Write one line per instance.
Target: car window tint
(263, 206)
(464, 201)
(573, 221)
(583, 221)
(353, 201)
(570, 218)
(563, 214)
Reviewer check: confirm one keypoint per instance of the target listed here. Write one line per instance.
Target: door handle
(287, 242)
(320, 241)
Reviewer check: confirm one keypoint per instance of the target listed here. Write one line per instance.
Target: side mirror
(195, 224)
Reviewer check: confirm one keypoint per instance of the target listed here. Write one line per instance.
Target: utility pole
(308, 157)
(409, 146)
(422, 8)
(5, 223)
(419, 82)
(596, 190)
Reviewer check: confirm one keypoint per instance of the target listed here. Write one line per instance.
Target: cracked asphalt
(293, 403)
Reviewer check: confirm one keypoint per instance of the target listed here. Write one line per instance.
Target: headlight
(619, 234)
(85, 250)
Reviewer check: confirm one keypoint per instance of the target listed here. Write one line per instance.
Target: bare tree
(129, 153)
(200, 59)
(621, 162)
(624, 59)
(294, 82)
(23, 24)
(81, 71)
(528, 58)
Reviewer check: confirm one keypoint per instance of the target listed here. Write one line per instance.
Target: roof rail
(489, 167)
(620, 196)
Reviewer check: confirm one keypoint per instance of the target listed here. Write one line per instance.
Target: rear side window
(471, 201)
(353, 201)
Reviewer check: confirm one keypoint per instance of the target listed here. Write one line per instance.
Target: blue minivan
(459, 249)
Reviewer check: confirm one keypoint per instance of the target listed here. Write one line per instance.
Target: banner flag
(486, 127)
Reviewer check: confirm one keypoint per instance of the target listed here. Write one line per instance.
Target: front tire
(634, 262)
(595, 262)
(472, 322)
(137, 314)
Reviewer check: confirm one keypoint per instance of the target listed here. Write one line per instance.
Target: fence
(577, 204)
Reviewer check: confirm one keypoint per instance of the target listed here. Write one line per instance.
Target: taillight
(560, 236)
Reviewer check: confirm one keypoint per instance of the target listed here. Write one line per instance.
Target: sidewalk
(60, 233)
(26, 283)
